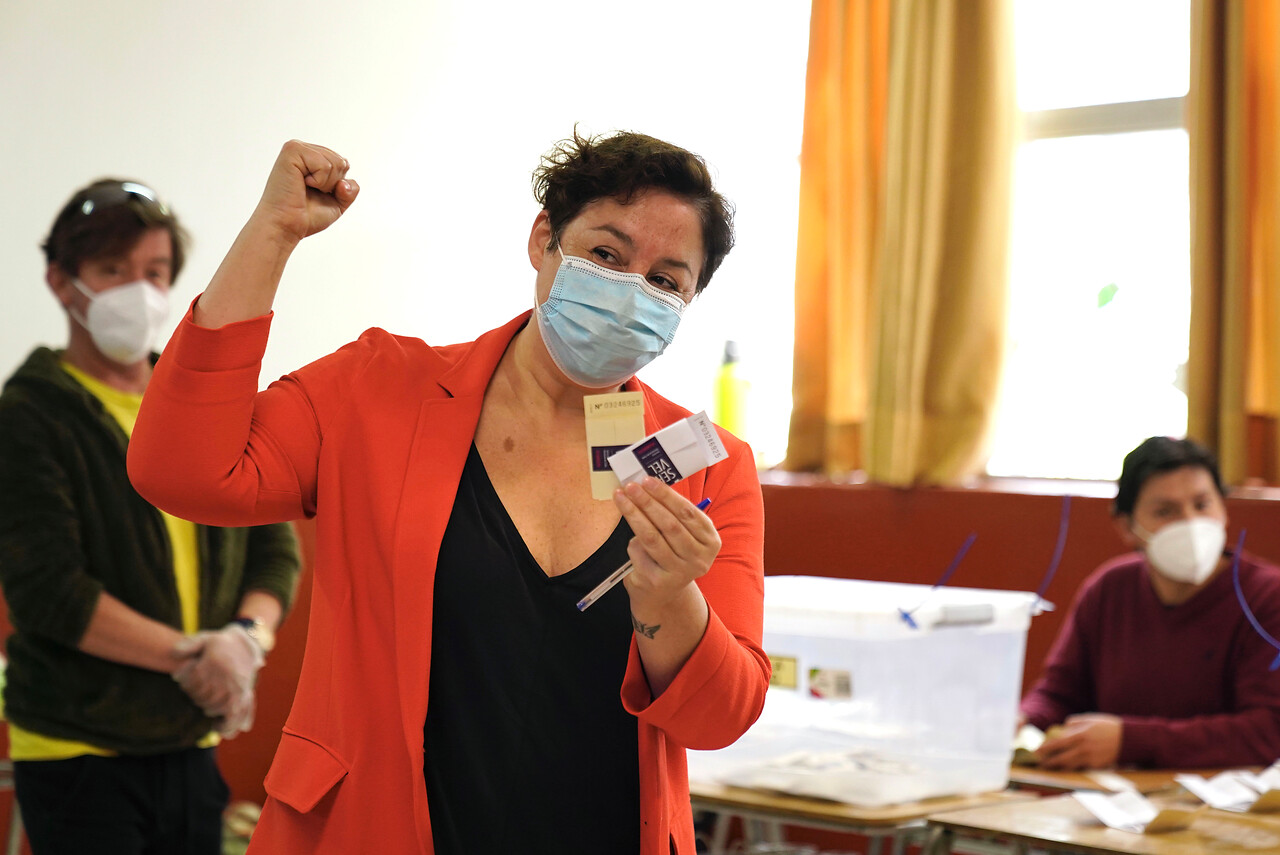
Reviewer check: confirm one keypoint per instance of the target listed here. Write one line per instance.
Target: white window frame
(1157, 114)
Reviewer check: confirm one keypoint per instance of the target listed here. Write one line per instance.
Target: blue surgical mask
(602, 326)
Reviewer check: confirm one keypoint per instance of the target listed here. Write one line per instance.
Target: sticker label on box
(831, 684)
(786, 672)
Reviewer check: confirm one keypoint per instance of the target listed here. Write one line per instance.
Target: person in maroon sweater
(1157, 664)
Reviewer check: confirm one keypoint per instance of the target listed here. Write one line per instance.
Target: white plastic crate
(869, 708)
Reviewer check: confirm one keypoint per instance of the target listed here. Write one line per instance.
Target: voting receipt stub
(673, 453)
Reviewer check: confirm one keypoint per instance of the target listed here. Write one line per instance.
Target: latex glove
(239, 718)
(224, 672)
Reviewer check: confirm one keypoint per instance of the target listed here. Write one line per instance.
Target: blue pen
(618, 575)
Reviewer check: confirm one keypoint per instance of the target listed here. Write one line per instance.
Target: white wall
(443, 108)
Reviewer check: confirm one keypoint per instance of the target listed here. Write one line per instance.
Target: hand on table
(1088, 741)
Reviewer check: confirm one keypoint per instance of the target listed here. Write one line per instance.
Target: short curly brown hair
(581, 169)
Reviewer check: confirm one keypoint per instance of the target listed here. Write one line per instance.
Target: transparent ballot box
(882, 693)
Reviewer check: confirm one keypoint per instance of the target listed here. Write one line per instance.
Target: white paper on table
(1225, 791)
(1111, 781)
(1267, 779)
(1130, 811)
(1237, 790)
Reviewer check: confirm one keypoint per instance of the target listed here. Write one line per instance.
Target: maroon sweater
(1191, 682)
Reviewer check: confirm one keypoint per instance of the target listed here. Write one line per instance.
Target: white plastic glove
(239, 718)
(221, 676)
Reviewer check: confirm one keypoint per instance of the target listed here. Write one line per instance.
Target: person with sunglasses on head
(1157, 664)
(453, 697)
(137, 635)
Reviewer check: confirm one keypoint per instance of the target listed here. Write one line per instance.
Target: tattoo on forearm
(647, 630)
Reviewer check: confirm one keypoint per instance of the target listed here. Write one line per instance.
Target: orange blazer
(371, 441)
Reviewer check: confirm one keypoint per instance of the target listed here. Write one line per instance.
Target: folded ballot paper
(673, 453)
(1026, 742)
(1241, 791)
(1131, 811)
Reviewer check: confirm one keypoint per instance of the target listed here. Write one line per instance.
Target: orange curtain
(901, 256)
(841, 176)
(938, 332)
(1233, 370)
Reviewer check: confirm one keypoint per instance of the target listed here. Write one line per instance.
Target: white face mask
(1187, 550)
(124, 321)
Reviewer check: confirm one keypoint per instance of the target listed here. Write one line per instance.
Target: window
(1100, 243)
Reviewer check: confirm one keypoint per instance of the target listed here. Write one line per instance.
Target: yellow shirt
(123, 407)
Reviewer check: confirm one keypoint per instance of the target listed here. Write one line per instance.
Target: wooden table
(1061, 824)
(1146, 780)
(765, 813)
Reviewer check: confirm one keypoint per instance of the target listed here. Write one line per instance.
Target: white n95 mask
(124, 321)
(1187, 550)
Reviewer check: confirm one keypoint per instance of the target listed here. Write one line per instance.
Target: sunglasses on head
(121, 193)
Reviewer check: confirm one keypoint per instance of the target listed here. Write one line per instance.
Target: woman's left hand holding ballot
(674, 545)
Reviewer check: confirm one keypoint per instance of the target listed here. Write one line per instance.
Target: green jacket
(71, 527)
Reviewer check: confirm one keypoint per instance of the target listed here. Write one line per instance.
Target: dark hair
(1157, 455)
(582, 169)
(106, 219)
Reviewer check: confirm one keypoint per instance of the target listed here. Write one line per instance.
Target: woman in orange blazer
(451, 698)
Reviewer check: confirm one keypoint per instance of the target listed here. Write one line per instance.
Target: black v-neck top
(528, 747)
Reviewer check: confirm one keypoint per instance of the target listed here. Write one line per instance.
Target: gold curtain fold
(1233, 117)
(939, 302)
(841, 169)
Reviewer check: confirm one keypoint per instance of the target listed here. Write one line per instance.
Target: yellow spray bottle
(731, 393)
